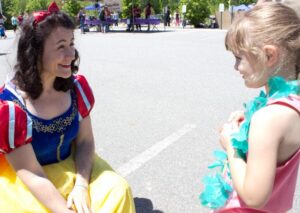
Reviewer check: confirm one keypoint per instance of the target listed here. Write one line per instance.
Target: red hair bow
(41, 15)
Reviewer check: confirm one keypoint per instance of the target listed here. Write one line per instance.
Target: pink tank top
(281, 199)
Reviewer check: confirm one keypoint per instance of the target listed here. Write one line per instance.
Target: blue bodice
(51, 139)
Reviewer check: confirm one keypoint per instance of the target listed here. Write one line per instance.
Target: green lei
(217, 189)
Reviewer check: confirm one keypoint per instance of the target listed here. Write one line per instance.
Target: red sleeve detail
(19, 128)
(4, 122)
(85, 97)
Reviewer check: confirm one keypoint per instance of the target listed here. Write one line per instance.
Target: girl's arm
(31, 173)
(253, 180)
(84, 154)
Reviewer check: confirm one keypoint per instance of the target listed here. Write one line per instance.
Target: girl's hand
(225, 134)
(80, 198)
(237, 116)
(233, 125)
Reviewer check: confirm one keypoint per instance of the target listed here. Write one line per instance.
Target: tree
(71, 7)
(174, 4)
(156, 5)
(214, 5)
(45, 4)
(127, 7)
(239, 2)
(9, 9)
(197, 11)
(33, 5)
(16, 7)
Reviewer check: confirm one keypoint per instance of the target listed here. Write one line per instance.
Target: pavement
(160, 100)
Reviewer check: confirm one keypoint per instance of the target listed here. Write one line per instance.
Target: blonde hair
(266, 24)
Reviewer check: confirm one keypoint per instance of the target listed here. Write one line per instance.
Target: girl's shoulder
(280, 106)
(275, 129)
(278, 118)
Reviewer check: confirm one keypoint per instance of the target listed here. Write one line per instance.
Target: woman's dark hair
(30, 50)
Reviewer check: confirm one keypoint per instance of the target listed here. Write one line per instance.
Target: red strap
(291, 101)
(241, 210)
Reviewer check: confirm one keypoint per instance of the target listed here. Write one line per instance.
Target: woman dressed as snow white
(47, 156)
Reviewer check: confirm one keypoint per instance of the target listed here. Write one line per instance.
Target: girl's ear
(272, 54)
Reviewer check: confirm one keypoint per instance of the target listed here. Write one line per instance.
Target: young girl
(260, 167)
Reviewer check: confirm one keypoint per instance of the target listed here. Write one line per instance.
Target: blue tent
(96, 6)
(241, 7)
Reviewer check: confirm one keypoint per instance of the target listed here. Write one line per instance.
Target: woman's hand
(84, 155)
(80, 198)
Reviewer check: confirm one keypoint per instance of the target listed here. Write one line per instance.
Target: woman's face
(59, 52)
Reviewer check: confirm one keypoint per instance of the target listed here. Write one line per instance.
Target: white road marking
(136, 162)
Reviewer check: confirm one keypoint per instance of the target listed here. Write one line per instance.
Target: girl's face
(59, 52)
(251, 70)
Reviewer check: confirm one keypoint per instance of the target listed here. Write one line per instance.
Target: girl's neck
(267, 89)
(287, 69)
(288, 73)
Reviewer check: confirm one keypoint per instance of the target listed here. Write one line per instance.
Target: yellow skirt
(109, 192)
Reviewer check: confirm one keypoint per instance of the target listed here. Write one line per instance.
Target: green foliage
(197, 11)
(127, 7)
(71, 7)
(33, 5)
(156, 5)
(239, 2)
(8, 8)
(19, 6)
(174, 4)
(214, 5)
(11, 7)
(16, 7)
(45, 4)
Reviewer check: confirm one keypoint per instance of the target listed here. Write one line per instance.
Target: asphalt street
(161, 98)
